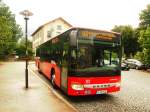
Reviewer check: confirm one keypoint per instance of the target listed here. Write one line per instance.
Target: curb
(55, 93)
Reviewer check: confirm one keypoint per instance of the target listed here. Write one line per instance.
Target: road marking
(57, 94)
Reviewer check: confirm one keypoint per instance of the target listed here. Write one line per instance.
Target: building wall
(54, 29)
(48, 31)
(38, 38)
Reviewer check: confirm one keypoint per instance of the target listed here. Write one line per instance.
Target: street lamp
(26, 15)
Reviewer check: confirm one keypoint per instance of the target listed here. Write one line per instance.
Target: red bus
(82, 61)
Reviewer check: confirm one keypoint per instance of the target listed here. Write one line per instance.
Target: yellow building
(49, 30)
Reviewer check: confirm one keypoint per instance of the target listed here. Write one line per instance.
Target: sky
(97, 14)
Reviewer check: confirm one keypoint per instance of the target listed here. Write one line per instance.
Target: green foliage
(145, 18)
(146, 56)
(10, 32)
(139, 56)
(143, 56)
(129, 39)
(144, 36)
(21, 48)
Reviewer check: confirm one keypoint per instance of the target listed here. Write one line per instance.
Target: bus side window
(73, 56)
(65, 55)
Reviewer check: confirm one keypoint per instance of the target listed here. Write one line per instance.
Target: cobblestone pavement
(133, 97)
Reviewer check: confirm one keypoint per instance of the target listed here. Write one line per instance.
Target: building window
(59, 27)
(58, 33)
(49, 34)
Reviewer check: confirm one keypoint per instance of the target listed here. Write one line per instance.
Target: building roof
(60, 18)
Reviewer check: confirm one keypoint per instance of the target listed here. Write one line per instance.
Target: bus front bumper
(93, 85)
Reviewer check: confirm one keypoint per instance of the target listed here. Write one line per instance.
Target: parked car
(146, 66)
(135, 64)
(124, 66)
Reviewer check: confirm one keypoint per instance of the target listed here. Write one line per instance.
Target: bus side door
(64, 70)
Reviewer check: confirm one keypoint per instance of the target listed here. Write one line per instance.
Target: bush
(143, 56)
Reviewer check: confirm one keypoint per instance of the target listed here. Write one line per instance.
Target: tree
(129, 39)
(145, 18)
(21, 48)
(144, 35)
(10, 32)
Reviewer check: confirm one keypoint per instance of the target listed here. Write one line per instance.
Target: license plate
(101, 92)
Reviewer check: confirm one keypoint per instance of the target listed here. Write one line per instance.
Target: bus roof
(94, 30)
(81, 28)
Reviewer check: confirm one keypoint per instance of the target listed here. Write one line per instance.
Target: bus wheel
(53, 80)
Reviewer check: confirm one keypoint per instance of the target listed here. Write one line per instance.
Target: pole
(26, 66)
(26, 14)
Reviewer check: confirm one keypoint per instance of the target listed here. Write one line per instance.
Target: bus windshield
(96, 58)
(91, 60)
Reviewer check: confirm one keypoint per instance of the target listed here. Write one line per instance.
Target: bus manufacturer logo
(87, 81)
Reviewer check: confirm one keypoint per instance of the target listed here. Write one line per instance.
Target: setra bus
(82, 61)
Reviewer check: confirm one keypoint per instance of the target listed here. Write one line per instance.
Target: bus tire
(53, 79)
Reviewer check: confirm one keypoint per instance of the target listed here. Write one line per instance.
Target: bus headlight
(77, 86)
(118, 84)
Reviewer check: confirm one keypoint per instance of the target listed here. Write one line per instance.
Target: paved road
(133, 97)
(37, 98)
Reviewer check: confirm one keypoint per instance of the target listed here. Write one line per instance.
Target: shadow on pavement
(91, 98)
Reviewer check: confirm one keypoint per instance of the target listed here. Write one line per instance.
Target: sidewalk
(15, 98)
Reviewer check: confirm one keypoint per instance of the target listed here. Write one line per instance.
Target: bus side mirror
(37, 58)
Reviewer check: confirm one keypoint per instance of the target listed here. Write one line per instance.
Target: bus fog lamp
(118, 84)
(77, 86)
